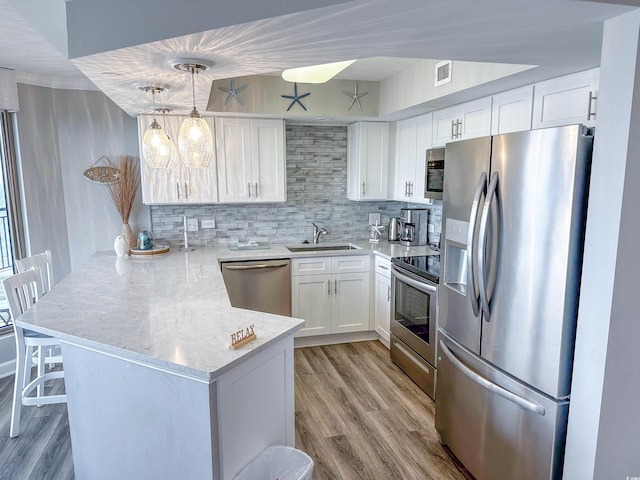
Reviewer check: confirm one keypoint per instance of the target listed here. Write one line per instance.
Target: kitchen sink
(320, 248)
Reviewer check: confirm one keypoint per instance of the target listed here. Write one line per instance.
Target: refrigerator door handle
(482, 239)
(471, 261)
(490, 386)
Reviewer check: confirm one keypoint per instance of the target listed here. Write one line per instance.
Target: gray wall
(62, 133)
(316, 192)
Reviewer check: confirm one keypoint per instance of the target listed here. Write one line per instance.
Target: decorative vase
(121, 246)
(128, 235)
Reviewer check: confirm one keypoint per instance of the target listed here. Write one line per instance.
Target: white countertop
(172, 310)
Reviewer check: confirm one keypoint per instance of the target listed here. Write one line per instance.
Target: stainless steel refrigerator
(514, 207)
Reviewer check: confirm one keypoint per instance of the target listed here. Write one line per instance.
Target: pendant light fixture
(195, 141)
(156, 145)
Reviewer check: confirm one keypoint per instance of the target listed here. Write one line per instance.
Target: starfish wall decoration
(233, 92)
(355, 96)
(295, 98)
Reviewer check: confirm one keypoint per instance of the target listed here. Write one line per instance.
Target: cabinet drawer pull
(592, 97)
(384, 267)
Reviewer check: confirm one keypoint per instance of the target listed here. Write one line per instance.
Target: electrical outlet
(192, 224)
(374, 218)
(208, 223)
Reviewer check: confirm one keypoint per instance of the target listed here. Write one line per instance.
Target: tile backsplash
(316, 192)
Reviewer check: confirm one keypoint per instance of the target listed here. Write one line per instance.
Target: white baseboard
(7, 368)
(7, 355)
(335, 338)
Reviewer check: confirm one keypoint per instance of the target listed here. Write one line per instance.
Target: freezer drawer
(498, 428)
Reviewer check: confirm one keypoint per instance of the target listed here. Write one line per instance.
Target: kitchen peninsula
(154, 391)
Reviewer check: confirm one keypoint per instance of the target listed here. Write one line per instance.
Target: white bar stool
(22, 291)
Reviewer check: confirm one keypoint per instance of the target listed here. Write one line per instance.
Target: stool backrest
(22, 291)
(43, 265)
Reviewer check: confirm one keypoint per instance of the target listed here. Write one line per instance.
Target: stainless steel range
(414, 290)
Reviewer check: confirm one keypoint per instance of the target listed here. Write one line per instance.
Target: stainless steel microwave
(434, 173)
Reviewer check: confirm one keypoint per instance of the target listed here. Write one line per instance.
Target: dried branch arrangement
(123, 191)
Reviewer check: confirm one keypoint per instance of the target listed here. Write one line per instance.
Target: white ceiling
(560, 35)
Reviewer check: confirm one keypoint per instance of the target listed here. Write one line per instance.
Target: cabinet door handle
(453, 126)
(335, 287)
(458, 128)
(363, 188)
(389, 294)
(256, 190)
(186, 191)
(249, 187)
(411, 189)
(178, 189)
(406, 189)
(592, 97)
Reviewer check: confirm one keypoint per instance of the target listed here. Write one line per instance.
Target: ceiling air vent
(443, 72)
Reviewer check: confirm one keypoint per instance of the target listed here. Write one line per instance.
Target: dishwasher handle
(259, 266)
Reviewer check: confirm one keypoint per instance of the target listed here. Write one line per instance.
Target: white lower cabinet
(331, 294)
(382, 313)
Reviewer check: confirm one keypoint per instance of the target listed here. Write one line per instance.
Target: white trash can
(278, 463)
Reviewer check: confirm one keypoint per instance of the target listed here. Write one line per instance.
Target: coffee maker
(414, 226)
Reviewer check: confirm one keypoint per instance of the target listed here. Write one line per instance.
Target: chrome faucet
(317, 232)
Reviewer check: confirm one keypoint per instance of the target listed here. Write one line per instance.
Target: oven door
(414, 312)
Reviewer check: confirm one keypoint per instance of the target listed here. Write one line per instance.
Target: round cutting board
(159, 250)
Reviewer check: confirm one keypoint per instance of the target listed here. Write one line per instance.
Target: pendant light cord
(153, 96)
(193, 86)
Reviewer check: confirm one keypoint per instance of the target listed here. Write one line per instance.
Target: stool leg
(40, 388)
(18, 386)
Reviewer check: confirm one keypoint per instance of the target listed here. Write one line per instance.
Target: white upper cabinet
(367, 161)
(413, 138)
(566, 100)
(176, 184)
(251, 160)
(511, 110)
(467, 120)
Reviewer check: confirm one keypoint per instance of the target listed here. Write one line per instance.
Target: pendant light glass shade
(156, 144)
(195, 141)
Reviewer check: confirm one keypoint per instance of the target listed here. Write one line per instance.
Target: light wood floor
(360, 417)
(357, 415)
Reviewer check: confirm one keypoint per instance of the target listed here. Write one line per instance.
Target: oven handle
(490, 386)
(422, 286)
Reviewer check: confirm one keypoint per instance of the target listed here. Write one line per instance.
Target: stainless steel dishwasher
(262, 285)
